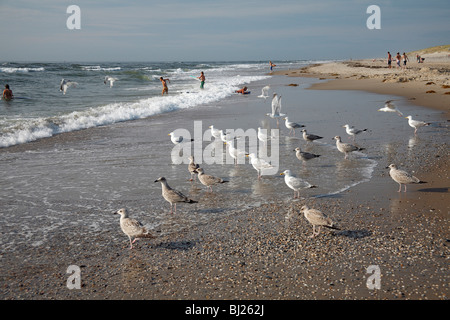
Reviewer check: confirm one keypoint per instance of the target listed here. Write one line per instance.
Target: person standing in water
(272, 65)
(7, 93)
(164, 83)
(202, 79)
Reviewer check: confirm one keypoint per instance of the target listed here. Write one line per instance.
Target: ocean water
(41, 110)
(104, 161)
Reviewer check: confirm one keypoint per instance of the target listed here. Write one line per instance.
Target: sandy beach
(261, 248)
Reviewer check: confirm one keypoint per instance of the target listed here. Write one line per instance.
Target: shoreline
(260, 250)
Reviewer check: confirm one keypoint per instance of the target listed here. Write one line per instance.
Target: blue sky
(208, 30)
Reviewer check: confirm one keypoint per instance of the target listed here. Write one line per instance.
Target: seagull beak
(282, 174)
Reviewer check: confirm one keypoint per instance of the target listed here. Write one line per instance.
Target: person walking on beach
(272, 65)
(389, 60)
(7, 93)
(404, 58)
(202, 79)
(164, 83)
(398, 58)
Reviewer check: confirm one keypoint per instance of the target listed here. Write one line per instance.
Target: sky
(213, 30)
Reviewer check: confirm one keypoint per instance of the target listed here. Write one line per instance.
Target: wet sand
(260, 249)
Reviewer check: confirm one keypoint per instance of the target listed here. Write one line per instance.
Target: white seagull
(317, 218)
(402, 177)
(235, 153)
(65, 84)
(132, 228)
(416, 124)
(111, 80)
(264, 92)
(295, 183)
(276, 109)
(215, 132)
(352, 131)
(177, 139)
(390, 107)
(259, 164)
(292, 125)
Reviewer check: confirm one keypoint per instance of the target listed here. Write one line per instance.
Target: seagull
(215, 132)
(276, 109)
(317, 218)
(259, 164)
(131, 227)
(295, 183)
(263, 137)
(111, 80)
(192, 167)
(402, 177)
(390, 107)
(177, 139)
(264, 92)
(345, 147)
(292, 125)
(352, 131)
(172, 196)
(305, 156)
(416, 124)
(208, 180)
(310, 137)
(234, 152)
(65, 84)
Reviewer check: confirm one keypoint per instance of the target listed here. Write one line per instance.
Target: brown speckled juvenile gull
(317, 218)
(131, 227)
(402, 177)
(305, 156)
(172, 196)
(192, 167)
(345, 148)
(208, 180)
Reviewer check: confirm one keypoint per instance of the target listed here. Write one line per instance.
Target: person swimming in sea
(7, 93)
(243, 90)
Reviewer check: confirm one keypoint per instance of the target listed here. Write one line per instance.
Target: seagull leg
(400, 187)
(314, 232)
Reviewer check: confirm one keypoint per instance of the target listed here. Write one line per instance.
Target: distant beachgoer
(418, 58)
(7, 93)
(398, 58)
(389, 60)
(202, 79)
(404, 58)
(243, 90)
(272, 65)
(164, 83)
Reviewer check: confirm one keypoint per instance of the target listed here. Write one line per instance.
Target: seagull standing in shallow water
(292, 125)
(295, 183)
(172, 196)
(416, 124)
(351, 131)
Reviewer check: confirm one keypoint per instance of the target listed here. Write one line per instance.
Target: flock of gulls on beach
(134, 229)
